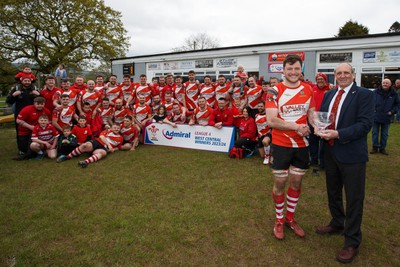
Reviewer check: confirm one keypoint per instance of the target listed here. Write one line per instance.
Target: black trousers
(246, 143)
(351, 177)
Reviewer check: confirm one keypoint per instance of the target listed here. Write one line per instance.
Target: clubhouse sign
(194, 137)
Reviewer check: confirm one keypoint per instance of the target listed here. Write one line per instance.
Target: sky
(157, 26)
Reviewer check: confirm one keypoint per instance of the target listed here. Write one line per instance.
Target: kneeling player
(129, 133)
(109, 141)
(44, 137)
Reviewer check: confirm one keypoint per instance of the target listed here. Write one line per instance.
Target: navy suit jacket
(355, 121)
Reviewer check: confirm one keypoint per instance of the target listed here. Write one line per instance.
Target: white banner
(195, 137)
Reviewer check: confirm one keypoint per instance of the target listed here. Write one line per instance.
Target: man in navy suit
(346, 154)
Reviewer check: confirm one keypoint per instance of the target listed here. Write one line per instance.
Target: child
(26, 72)
(44, 137)
(237, 115)
(109, 141)
(130, 133)
(82, 131)
(66, 143)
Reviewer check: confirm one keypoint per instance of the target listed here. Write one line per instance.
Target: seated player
(109, 141)
(106, 112)
(66, 142)
(178, 114)
(203, 114)
(44, 137)
(82, 130)
(222, 114)
(64, 114)
(130, 134)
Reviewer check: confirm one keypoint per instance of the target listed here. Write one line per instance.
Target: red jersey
(209, 93)
(262, 124)
(144, 90)
(237, 117)
(225, 116)
(141, 112)
(48, 95)
(46, 134)
(204, 117)
(191, 95)
(93, 98)
(30, 115)
(177, 118)
(253, 96)
(64, 116)
(88, 116)
(319, 95)
(168, 107)
(221, 91)
(169, 88)
(293, 104)
(115, 140)
(119, 114)
(129, 134)
(82, 133)
(78, 87)
(113, 93)
(248, 128)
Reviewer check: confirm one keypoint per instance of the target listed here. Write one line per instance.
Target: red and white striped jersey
(209, 93)
(64, 117)
(179, 94)
(100, 89)
(130, 133)
(46, 134)
(113, 93)
(203, 116)
(93, 98)
(191, 94)
(144, 90)
(253, 96)
(177, 118)
(119, 114)
(168, 107)
(141, 112)
(72, 93)
(293, 104)
(127, 90)
(262, 124)
(106, 114)
(221, 91)
(115, 140)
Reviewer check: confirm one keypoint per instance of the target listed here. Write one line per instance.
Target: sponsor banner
(170, 65)
(194, 137)
(186, 64)
(381, 56)
(275, 68)
(204, 63)
(280, 56)
(226, 62)
(335, 57)
(153, 66)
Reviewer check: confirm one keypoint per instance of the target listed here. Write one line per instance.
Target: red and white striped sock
(76, 152)
(292, 198)
(91, 159)
(279, 205)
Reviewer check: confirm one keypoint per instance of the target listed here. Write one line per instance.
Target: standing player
(289, 104)
(109, 141)
(222, 89)
(191, 91)
(106, 112)
(127, 88)
(120, 111)
(63, 116)
(252, 95)
(207, 91)
(179, 92)
(142, 112)
(89, 95)
(113, 91)
(66, 89)
(141, 89)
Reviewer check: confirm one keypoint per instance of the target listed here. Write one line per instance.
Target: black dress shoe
(383, 151)
(347, 254)
(328, 230)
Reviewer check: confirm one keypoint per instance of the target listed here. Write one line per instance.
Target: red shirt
(81, 133)
(319, 95)
(225, 116)
(49, 96)
(248, 128)
(30, 115)
(46, 134)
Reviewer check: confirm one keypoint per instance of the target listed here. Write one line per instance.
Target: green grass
(160, 206)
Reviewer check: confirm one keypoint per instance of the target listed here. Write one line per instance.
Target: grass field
(160, 206)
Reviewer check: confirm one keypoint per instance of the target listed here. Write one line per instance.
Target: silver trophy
(322, 120)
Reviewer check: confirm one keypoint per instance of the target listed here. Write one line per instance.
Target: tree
(198, 41)
(395, 27)
(47, 33)
(352, 28)
(7, 76)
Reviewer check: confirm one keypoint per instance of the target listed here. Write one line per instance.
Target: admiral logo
(171, 134)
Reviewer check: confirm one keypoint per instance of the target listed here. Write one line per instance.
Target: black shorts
(284, 157)
(259, 142)
(96, 145)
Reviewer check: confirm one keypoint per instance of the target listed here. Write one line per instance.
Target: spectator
(60, 74)
(67, 142)
(248, 134)
(242, 74)
(26, 72)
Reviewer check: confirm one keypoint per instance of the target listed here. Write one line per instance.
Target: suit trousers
(351, 177)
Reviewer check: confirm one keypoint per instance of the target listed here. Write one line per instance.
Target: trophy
(322, 119)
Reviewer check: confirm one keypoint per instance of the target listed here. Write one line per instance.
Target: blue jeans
(384, 129)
